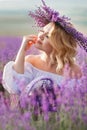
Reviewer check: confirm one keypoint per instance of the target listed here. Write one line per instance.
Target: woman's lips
(38, 41)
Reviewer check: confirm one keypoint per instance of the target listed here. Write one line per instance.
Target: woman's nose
(41, 36)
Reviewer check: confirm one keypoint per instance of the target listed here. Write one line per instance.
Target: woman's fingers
(28, 41)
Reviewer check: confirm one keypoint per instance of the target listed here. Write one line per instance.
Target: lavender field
(50, 106)
(66, 109)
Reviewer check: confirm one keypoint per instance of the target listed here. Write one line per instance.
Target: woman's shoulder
(75, 71)
(32, 58)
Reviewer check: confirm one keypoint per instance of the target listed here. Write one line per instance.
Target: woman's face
(43, 41)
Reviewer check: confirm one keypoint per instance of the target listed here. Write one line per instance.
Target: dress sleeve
(15, 82)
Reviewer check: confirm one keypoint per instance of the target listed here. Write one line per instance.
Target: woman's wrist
(22, 50)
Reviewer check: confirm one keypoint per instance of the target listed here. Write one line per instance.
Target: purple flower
(44, 14)
(54, 17)
(27, 116)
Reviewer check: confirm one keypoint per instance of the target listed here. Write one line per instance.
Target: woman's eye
(47, 36)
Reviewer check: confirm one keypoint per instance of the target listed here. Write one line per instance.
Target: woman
(59, 45)
(58, 51)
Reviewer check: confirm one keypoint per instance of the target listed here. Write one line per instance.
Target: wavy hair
(64, 47)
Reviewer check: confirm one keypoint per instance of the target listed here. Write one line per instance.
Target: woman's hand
(20, 58)
(28, 41)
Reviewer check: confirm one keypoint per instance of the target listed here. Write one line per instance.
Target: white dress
(15, 82)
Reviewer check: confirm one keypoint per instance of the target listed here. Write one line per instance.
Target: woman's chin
(37, 45)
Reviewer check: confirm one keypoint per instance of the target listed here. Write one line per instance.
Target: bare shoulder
(76, 67)
(76, 71)
(31, 58)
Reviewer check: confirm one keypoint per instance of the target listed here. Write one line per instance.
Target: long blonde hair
(64, 47)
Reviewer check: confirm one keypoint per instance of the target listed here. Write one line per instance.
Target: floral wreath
(44, 14)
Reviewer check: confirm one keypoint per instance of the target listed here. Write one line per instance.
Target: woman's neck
(47, 60)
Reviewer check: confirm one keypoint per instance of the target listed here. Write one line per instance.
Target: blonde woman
(58, 42)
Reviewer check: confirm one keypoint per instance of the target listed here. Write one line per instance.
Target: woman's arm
(19, 61)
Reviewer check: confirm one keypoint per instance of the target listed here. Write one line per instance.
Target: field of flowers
(50, 107)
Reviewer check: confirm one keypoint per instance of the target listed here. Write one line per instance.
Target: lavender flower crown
(44, 14)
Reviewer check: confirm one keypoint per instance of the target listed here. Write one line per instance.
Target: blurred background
(14, 19)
